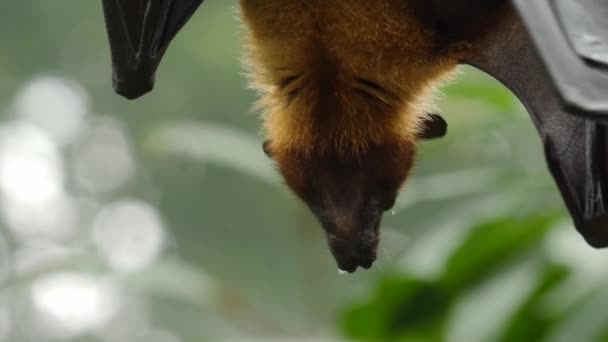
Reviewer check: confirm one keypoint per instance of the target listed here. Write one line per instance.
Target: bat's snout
(352, 253)
(355, 250)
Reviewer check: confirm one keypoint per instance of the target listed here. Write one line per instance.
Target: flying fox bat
(346, 88)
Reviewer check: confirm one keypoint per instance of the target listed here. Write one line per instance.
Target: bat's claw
(140, 32)
(133, 89)
(596, 232)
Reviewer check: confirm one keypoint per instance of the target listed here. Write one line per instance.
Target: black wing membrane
(571, 37)
(140, 32)
(575, 143)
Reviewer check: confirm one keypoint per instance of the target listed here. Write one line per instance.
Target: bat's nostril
(352, 253)
(367, 262)
(349, 264)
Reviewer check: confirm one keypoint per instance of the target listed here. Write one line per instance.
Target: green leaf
(219, 144)
(404, 309)
(490, 246)
(530, 322)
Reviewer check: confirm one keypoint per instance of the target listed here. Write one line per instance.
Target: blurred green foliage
(412, 309)
(479, 247)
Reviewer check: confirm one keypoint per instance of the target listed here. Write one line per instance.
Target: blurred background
(161, 220)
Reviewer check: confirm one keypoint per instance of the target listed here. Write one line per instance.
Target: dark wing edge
(574, 146)
(140, 32)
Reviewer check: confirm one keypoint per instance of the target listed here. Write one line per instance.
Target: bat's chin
(356, 250)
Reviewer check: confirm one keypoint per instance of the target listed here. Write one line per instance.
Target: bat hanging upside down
(347, 89)
(346, 94)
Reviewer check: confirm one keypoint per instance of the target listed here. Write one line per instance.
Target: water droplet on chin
(393, 212)
(342, 271)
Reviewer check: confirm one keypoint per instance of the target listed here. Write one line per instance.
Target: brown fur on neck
(345, 87)
(341, 76)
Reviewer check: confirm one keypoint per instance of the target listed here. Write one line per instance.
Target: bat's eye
(266, 148)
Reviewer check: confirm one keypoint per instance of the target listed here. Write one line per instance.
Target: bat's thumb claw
(133, 88)
(596, 232)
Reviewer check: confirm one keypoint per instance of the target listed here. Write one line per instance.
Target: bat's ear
(266, 148)
(432, 126)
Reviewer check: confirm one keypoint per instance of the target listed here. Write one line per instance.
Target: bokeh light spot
(78, 303)
(103, 160)
(30, 165)
(56, 105)
(129, 234)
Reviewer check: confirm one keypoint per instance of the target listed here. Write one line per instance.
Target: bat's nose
(354, 251)
(351, 218)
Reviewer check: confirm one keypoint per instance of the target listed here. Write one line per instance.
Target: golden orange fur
(345, 89)
(342, 75)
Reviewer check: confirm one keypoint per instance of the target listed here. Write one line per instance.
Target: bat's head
(349, 194)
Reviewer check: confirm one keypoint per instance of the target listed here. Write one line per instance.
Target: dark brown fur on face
(345, 87)
(349, 195)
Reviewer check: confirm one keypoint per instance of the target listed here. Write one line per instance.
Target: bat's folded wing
(575, 140)
(140, 32)
(571, 37)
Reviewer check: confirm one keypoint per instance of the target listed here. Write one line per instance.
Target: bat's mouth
(353, 251)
